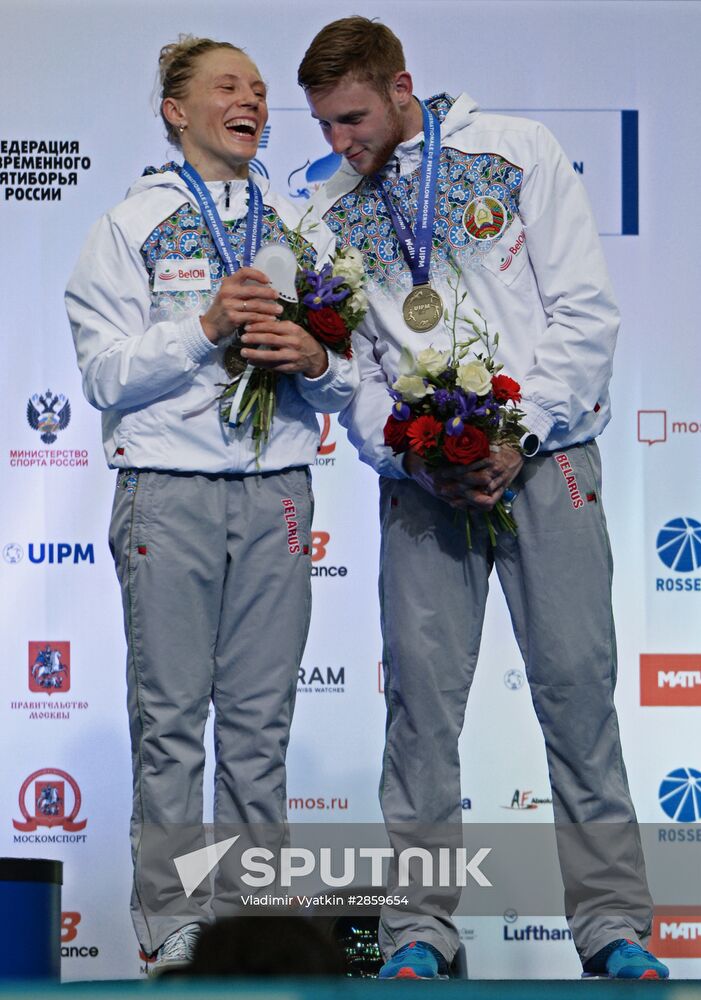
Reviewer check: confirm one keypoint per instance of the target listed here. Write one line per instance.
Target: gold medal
(422, 308)
(234, 364)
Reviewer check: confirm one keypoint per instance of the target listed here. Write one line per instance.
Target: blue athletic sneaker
(417, 960)
(623, 959)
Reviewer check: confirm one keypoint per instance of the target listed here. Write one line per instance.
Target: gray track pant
(556, 577)
(215, 579)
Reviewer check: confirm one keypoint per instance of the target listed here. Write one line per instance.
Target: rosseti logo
(680, 795)
(679, 545)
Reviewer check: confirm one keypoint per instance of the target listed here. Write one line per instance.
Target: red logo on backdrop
(676, 934)
(320, 539)
(69, 925)
(49, 665)
(670, 679)
(48, 800)
(652, 426)
(326, 449)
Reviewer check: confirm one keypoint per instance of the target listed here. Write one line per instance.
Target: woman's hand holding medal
(283, 347)
(243, 296)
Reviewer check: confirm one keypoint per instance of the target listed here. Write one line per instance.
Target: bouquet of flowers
(329, 304)
(451, 410)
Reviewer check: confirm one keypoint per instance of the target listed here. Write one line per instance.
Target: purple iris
(465, 403)
(323, 288)
(400, 410)
(488, 408)
(454, 427)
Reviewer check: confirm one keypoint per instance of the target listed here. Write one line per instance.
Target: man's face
(358, 122)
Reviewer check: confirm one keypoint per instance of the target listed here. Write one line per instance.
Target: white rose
(431, 362)
(349, 266)
(358, 301)
(412, 388)
(474, 377)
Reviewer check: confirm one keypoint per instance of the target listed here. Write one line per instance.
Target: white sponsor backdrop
(82, 74)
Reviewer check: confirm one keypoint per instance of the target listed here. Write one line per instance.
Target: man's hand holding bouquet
(456, 421)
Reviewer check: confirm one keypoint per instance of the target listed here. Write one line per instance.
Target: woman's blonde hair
(176, 67)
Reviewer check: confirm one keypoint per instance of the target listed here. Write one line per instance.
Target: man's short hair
(357, 47)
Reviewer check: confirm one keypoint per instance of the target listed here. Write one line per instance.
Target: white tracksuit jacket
(145, 360)
(531, 263)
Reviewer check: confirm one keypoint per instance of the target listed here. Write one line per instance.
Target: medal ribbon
(222, 243)
(416, 246)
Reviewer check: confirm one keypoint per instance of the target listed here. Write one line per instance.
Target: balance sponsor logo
(53, 553)
(49, 798)
(320, 544)
(321, 680)
(70, 919)
(325, 452)
(678, 546)
(654, 427)
(676, 935)
(680, 795)
(49, 667)
(525, 799)
(670, 679)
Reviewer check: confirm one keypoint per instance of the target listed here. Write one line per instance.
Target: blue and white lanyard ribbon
(222, 243)
(416, 245)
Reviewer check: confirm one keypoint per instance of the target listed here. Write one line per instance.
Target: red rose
(467, 447)
(395, 434)
(327, 326)
(504, 389)
(423, 434)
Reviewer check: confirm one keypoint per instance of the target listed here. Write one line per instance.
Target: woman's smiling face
(224, 112)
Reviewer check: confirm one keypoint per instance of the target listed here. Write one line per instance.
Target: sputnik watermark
(442, 867)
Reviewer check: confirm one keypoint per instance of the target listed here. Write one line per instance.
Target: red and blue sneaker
(623, 959)
(417, 960)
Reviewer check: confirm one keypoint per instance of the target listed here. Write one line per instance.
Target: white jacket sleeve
(367, 413)
(124, 360)
(574, 356)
